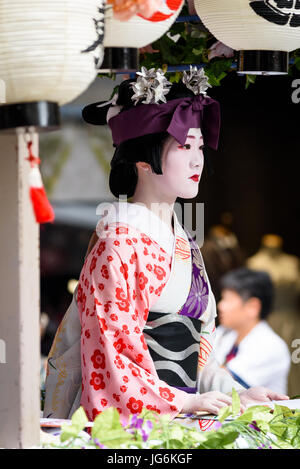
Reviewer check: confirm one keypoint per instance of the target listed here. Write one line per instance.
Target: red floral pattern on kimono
(121, 279)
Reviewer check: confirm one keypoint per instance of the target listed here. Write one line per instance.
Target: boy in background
(245, 344)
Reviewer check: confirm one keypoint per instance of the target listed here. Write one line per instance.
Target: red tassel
(41, 206)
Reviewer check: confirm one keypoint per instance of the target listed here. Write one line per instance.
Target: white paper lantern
(139, 32)
(41, 44)
(253, 25)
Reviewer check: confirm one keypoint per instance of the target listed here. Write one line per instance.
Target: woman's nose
(197, 159)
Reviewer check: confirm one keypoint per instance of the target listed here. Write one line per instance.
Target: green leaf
(263, 425)
(108, 429)
(114, 91)
(174, 78)
(257, 412)
(105, 423)
(165, 419)
(283, 444)
(67, 432)
(176, 432)
(197, 51)
(194, 436)
(224, 412)
(236, 402)
(282, 410)
(297, 63)
(79, 420)
(295, 439)
(175, 444)
(221, 438)
(278, 428)
(114, 438)
(250, 79)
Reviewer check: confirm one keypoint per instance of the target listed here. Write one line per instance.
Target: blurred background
(251, 199)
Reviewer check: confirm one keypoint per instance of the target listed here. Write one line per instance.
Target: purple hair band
(176, 117)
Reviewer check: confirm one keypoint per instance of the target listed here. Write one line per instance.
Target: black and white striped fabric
(173, 341)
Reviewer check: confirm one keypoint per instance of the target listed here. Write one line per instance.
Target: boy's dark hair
(250, 283)
(148, 148)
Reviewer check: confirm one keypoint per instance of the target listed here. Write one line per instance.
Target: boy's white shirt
(263, 358)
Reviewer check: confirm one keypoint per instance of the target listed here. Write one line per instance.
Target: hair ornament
(113, 108)
(151, 85)
(165, 112)
(196, 80)
(112, 101)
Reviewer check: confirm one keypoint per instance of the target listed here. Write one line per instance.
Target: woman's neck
(164, 210)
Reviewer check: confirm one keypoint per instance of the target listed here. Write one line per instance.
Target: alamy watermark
(296, 353)
(296, 93)
(155, 218)
(2, 351)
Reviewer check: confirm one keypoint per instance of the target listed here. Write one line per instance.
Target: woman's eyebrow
(193, 136)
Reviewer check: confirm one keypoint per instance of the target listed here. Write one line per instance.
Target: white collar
(144, 219)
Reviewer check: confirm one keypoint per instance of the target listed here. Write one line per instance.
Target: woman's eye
(187, 146)
(201, 147)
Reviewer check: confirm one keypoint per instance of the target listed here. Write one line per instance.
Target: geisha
(139, 332)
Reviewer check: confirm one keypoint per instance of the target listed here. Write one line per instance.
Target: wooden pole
(19, 298)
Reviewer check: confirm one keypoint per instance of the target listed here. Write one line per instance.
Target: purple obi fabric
(186, 389)
(197, 300)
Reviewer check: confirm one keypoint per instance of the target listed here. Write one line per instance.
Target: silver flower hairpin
(196, 80)
(151, 85)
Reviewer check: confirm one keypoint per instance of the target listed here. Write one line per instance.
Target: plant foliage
(259, 427)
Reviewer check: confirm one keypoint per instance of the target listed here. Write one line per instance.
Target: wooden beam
(19, 299)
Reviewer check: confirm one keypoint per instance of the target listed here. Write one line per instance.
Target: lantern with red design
(139, 31)
(50, 53)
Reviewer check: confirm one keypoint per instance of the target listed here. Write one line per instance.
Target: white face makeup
(182, 166)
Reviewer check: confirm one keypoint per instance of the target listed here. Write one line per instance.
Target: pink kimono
(120, 281)
(140, 334)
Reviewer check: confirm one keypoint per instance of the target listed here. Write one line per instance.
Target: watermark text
(154, 218)
(296, 353)
(2, 351)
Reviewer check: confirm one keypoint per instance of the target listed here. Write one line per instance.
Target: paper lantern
(265, 30)
(41, 48)
(138, 31)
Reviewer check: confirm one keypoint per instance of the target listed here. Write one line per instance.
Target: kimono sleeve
(116, 289)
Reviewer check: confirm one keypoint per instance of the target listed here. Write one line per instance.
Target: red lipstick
(195, 177)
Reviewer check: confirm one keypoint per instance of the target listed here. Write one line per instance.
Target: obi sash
(173, 339)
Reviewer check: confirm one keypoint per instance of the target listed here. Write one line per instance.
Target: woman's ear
(143, 165)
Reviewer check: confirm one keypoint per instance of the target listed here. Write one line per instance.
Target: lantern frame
(43, 116)
(120, 60)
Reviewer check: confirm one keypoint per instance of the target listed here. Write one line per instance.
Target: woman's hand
(210, 402)
(258, 394)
